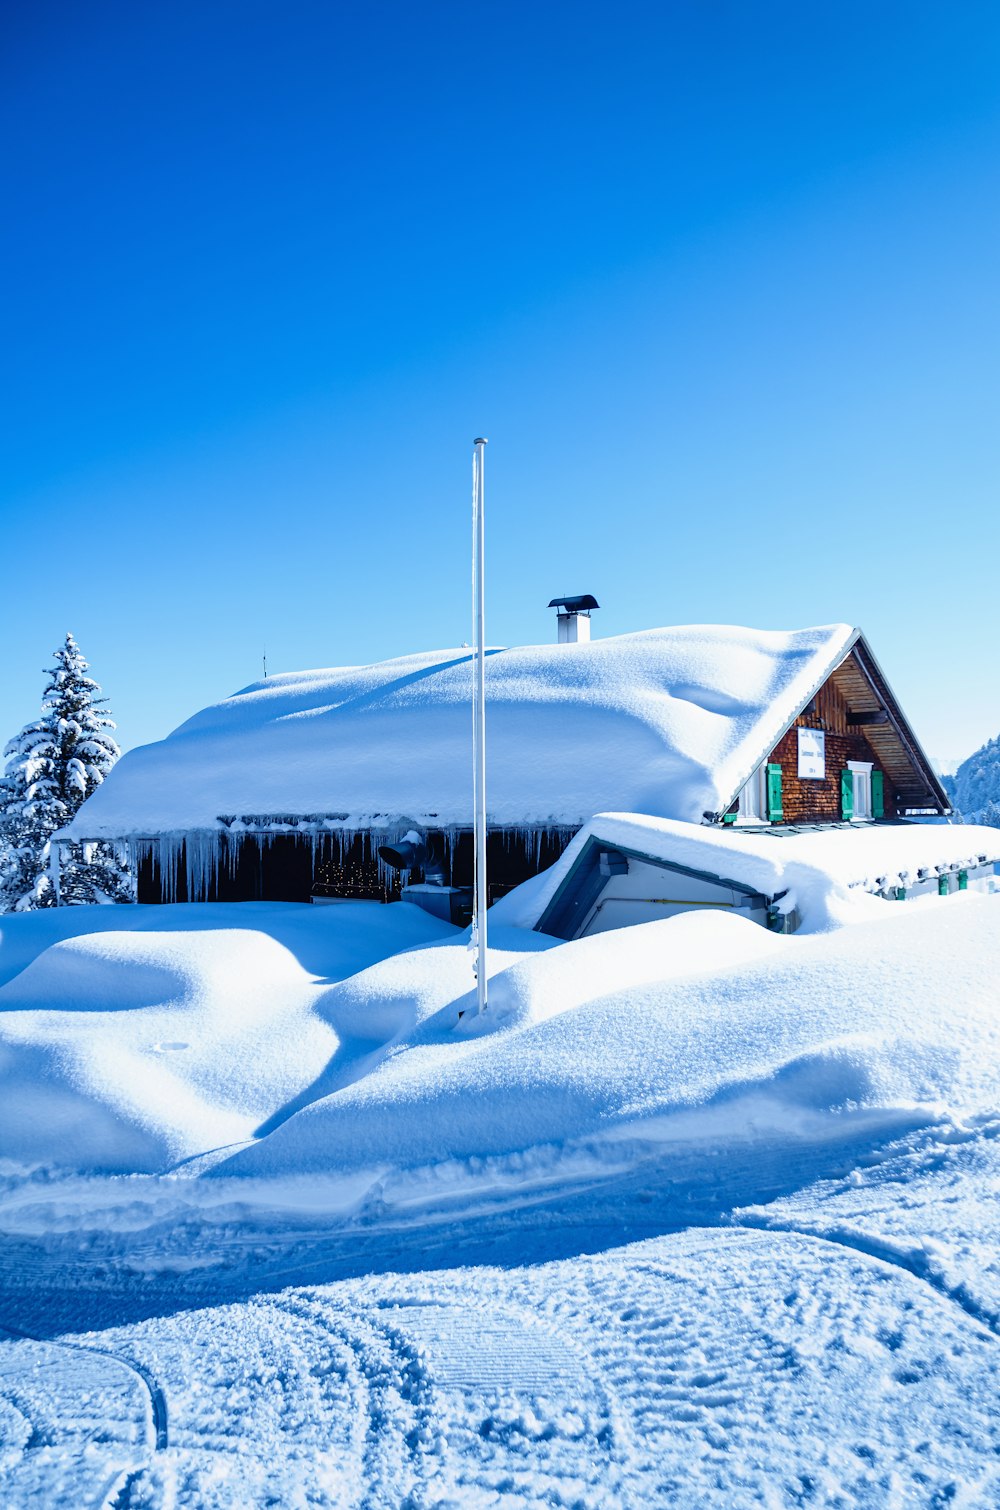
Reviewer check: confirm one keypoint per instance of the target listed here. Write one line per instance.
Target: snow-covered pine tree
(53, 765)
(20, 839)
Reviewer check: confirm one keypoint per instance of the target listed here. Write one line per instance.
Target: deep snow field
(696, 1216)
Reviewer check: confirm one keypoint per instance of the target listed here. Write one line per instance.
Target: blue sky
(719, 282)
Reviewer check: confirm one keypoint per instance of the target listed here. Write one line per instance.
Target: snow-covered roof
(803, 867)
(669, 722)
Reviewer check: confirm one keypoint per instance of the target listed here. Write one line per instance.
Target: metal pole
(479, 715)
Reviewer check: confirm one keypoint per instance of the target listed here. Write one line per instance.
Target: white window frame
(862, 772)
(753, 799)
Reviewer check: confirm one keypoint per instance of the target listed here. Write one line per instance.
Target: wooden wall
(812, 801)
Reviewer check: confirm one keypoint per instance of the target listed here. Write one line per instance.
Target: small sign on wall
(812, 754)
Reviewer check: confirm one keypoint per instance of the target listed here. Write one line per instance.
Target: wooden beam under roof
(863, 686)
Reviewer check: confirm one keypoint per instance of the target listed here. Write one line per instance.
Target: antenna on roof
(265, 663)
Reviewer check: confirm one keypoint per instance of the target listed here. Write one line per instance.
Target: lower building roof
(803, 868)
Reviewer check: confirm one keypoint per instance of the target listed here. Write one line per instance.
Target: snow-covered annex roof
(668, 722)
(802, 867)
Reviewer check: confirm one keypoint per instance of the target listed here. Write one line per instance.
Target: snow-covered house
(289, 787)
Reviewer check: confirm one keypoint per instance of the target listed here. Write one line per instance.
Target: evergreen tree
(975, 786)
(21, 839)
(991, 814)
(53, 766)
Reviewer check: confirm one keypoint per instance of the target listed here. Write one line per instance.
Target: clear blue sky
(719, 281)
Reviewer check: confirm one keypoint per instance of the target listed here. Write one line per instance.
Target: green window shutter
(847, 795)
(943, 886)
(775, 812)
(878, 795)
(963, 880)
(730, 817)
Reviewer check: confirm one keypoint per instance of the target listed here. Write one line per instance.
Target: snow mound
(668, 721)
(159, 1047)
(328, 941)
(544, 985)
(132, 1050)
(890, 1019)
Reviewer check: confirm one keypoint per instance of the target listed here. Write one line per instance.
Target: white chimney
(573, 618)
(573, 627)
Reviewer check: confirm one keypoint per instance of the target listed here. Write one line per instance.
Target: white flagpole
(479, 716)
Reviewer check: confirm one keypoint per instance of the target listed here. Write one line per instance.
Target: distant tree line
(974, 789)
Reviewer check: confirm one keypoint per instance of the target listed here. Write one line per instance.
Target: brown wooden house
(849, 755)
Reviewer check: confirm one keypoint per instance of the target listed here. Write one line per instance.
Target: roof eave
(906, 733)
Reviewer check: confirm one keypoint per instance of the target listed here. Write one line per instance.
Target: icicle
(55, 871)
(207, 855)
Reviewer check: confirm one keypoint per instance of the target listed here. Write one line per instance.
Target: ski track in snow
(56, 1393)
(951, 1176)
(738, 1365)
(913, 1263)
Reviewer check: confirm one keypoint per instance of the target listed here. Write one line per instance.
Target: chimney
(573, 618)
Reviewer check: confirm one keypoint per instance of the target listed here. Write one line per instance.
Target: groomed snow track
(116, 1493)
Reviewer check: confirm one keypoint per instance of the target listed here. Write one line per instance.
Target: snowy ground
(659, 1236)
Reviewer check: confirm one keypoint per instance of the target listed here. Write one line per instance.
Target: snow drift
(888, 1019)
(134, 1050)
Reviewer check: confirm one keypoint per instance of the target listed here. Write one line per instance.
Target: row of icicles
(202, 857)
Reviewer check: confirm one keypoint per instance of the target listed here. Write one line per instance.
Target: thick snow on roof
(813, 869)
(667, 721)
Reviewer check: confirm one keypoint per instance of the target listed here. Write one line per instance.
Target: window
(812, 754)
(861, 773)
(753, 799)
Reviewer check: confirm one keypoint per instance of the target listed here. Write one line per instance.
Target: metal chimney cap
(581, 604)
(480, 440)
